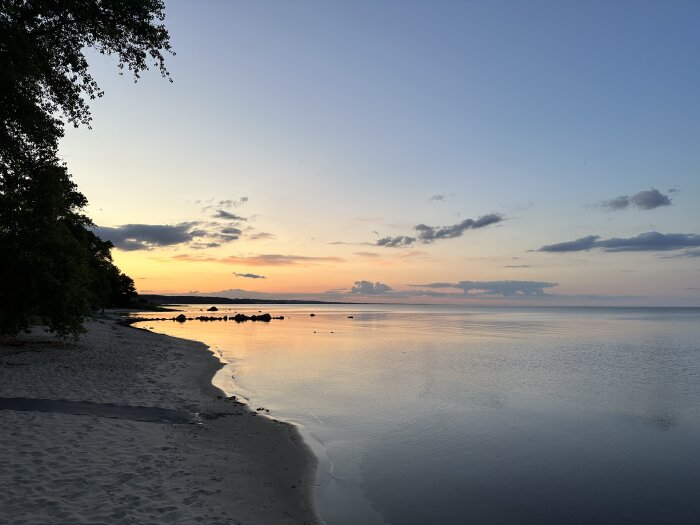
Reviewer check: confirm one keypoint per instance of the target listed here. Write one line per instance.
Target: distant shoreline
(173, 300)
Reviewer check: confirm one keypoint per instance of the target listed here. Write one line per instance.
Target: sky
(492, 152)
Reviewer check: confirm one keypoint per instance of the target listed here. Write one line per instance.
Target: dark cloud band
(498, 288)
(197, 235)
(644, 242)
(131, 237)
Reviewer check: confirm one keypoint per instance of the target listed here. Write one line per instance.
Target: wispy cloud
(644, 200)
(225, 203)
(517, 266)
(347, 243)
(494, 288)
(222, 214)
(429, 234)
(249, 275)
(644, 242)
(204, 245)
(395, 242)
(259, 236)
(261, 260)
(438, 197)
(687, 253)
(578, 245)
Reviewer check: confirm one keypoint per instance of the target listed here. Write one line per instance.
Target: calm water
(465, 415)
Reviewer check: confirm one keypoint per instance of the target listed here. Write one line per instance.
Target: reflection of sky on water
(448, 415)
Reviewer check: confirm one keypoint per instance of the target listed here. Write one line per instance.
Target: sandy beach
(188, 455)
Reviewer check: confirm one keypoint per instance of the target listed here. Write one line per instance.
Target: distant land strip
(202, 299)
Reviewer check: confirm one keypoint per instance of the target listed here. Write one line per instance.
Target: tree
(54, 269)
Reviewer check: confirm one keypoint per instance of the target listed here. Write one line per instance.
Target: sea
(482, 415)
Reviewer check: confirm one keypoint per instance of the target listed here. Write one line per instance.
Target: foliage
(54, 268)
(45, 70)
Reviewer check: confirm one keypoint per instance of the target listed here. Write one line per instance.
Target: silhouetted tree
(53, 268)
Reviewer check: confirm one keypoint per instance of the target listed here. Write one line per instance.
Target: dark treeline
(54, 269)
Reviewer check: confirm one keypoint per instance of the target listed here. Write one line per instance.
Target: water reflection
(447, 415)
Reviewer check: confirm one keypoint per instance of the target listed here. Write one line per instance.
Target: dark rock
(212, 309)
(239, 318)
(181, 318)
(351, 316)
(312, 315)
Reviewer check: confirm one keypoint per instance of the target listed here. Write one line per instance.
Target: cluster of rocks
(238, 318)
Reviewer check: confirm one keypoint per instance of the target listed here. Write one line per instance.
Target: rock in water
(212, 309)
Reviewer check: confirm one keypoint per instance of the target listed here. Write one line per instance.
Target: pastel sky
(554, 145)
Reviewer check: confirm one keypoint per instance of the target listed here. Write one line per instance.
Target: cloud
(495, 288)
(346, 243)
(249, 275)
(618, 203)
(644, 242)
(260, 236)
(272, 259)
(395, 242)
(651, 241)
(370, 288)
(584, 243)
(226, 203)
(644, 200)
(650, 199)
(131, 237)
(438, 197)
(429, 234)
(221, 214)
(689, 253)
(517, 266)
(197, 235)
(237, 202)
(369, 255)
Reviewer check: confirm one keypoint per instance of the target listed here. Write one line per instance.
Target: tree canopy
(55, 270)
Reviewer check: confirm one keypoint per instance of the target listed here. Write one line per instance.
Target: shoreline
(235, 467)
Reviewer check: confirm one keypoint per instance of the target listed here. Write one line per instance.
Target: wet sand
(99, 431)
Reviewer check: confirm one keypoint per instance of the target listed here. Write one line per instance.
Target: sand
(106, 464)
